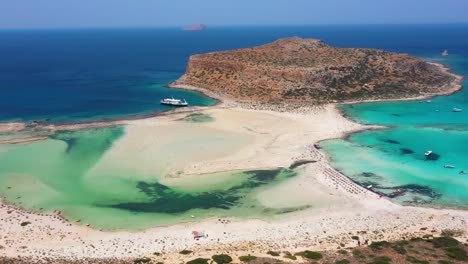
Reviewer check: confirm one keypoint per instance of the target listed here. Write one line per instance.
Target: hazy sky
(163, 13)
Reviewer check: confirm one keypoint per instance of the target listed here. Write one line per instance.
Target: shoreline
(455, 86)
(221, 101)
(315, 230)
(354, 208)
(351, 208)
(22, 140)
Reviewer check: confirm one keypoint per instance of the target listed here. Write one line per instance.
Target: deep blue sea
(73, 75)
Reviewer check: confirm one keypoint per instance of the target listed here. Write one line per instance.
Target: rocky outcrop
(195, 27)
(308, 70)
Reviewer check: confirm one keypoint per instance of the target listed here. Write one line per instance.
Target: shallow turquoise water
(87, 74)
(57, 174)
(394, 158)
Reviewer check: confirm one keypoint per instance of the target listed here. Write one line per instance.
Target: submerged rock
(404, 151)
(433, 156)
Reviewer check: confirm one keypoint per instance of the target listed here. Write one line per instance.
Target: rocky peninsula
(296, 70)
(341, 221)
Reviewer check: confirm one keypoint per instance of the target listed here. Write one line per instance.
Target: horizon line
(235, 25)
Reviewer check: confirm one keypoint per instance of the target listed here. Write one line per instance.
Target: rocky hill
(308, 70)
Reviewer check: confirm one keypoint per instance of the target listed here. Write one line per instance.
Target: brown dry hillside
(308, 70)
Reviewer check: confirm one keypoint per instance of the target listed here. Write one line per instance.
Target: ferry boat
(174, 102)
(456, 110)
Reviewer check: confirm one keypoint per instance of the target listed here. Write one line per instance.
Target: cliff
(308, 70)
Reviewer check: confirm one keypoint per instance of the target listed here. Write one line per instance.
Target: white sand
(11, 127)
(249, 139)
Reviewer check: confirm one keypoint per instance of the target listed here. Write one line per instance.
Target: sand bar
(337, 206)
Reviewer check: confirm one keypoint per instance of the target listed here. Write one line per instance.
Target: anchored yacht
(174, 102)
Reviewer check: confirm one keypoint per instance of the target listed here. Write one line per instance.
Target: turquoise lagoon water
(57, 174)
(394, 158)
(75, 75)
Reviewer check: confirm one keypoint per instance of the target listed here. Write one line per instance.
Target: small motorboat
(428, 101)
(428, 153)
(462, 172)
(447, 166)
(457, 110)
(369, 186)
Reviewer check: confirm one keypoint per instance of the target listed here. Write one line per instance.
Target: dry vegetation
(440, 250)
(307, 70)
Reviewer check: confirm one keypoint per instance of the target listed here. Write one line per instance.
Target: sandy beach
(337, 208)
(12, 127)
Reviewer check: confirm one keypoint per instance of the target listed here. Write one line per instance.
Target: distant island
(296, 70)
(195, 27)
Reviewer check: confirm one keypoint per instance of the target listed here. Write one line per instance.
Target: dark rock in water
(70, 141)
(405, 151)
(300, 163)
(415, 189)
(367, 183)
(421, 190)
(368, 174)
(433, 156)
(395, 115)
(164, 199)
(398, 192)
(391, 141)
(290, 209)
(265, 175)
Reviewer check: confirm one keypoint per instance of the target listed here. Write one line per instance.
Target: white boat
(369, 186)
(447, 166)
(428, 101)
(445, 53)
(462, 172)
(427, 153)
(456, 110)
(174, 102)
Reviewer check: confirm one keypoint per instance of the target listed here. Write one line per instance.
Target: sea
(76, 75)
